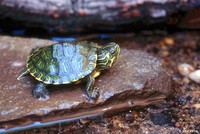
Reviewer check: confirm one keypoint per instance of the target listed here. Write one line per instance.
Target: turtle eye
(112, 50)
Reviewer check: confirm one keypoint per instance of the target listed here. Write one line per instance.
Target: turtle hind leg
(40, 91)
(24, 72)
(91, 91)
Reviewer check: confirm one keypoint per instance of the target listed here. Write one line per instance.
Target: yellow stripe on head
(107, 56)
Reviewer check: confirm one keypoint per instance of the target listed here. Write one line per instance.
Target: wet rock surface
(137, 79)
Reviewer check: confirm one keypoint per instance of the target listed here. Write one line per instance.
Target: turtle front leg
(40, 91)
(91, 91)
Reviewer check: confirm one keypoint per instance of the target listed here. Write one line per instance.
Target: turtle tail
(24, 72)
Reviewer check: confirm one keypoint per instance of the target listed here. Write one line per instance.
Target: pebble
(197, 105)
(169, 41)
(196, 93)
(121, 125)
(195, 76)
(84, 121)
(186, 80)
(177, 124)
(160, 118)
(135, 114)
(185, 69)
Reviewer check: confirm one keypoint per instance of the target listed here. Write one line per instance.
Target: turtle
(69, 63)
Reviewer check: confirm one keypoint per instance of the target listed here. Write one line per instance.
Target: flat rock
(137, 79)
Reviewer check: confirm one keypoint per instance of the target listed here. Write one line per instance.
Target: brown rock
(137, 79)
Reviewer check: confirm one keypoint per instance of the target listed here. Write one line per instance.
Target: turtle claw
(94, 93)
(40, 91)
(41, 94)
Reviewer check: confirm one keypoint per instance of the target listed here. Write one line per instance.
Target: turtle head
(108, 55)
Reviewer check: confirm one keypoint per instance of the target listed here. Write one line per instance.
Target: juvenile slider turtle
(69, 62)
